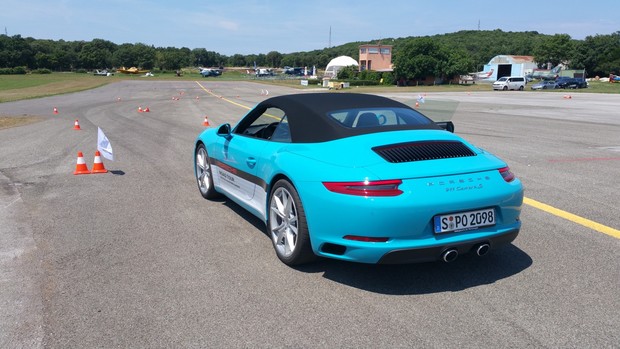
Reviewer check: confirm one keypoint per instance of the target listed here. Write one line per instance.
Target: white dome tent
(338, 63)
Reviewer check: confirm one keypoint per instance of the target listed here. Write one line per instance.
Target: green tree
(171, 58)
(124, 56)
(419, 58)
(599, 55)
(288, 60)
(144, 55)
(274, 59)
(66, 55)
(15, 51)
(458, 62)
(347, 73)
(236, 60)
(555, 49)
(96, 54)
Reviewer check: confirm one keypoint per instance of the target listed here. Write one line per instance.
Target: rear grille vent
(419, 151)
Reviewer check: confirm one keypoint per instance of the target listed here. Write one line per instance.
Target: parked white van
(510, 83)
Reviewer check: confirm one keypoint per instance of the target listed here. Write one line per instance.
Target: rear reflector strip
(365, 238)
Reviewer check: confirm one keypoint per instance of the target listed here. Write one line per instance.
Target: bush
(388, 78)
(41, 71)
(20, 70)
(79, 71)
(369, 75)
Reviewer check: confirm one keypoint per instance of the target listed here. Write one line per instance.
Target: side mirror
(224, 131)
(446, 125)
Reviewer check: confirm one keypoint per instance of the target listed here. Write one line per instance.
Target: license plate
(464, 220)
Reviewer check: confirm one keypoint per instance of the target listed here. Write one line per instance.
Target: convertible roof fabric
(308, 114)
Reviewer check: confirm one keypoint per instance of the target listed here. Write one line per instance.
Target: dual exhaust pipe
(451, 254)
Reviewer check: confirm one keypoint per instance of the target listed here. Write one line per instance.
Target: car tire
(287, 226)
(520, 88)
(204, 175)
(505, 88)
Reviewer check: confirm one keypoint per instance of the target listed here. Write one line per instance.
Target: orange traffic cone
(146, 110)
(80, 167)
(417, 104)
(206, 122)
(55, 110)
(140, 109)
(76, 125)
(98, 165)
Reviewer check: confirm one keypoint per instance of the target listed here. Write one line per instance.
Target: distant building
(331, 71)
(376, 57)
(510, 65)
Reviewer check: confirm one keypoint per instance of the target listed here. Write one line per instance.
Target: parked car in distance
(506, 83)
(544, 85)
(563, 82)
(210, 72)
(297, 71)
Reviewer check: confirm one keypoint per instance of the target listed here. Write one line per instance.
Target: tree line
(445, 55)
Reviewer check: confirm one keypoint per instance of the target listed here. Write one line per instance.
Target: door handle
(251, 162)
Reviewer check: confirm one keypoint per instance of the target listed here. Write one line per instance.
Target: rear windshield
(378, 117)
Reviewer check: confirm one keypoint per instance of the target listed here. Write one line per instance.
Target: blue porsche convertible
(361, 178)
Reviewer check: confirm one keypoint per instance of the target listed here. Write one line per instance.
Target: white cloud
(228, 25)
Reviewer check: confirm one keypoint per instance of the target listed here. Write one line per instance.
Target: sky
(252, 27)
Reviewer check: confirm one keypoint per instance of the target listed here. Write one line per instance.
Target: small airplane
(546, 74)
(473, 77)
(262, 71)
(132, 70)
(482, 75)
(103, 72)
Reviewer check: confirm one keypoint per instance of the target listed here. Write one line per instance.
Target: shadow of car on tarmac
(467, 271)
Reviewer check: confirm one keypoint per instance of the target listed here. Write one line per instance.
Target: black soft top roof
(308, 118)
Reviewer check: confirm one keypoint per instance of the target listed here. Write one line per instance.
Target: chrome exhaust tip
(449, 255)
(482, 249)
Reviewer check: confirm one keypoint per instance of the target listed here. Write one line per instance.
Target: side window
(282, 133)
(341, 117)
(264, 125)
(376, 117)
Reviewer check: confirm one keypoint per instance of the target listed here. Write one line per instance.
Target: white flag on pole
(103, 145)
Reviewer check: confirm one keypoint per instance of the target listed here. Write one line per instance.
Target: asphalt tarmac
(136, 258)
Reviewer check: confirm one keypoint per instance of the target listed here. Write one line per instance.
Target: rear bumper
(431, 254)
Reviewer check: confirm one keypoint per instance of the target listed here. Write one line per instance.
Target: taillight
(507, 174)
(366, 188)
